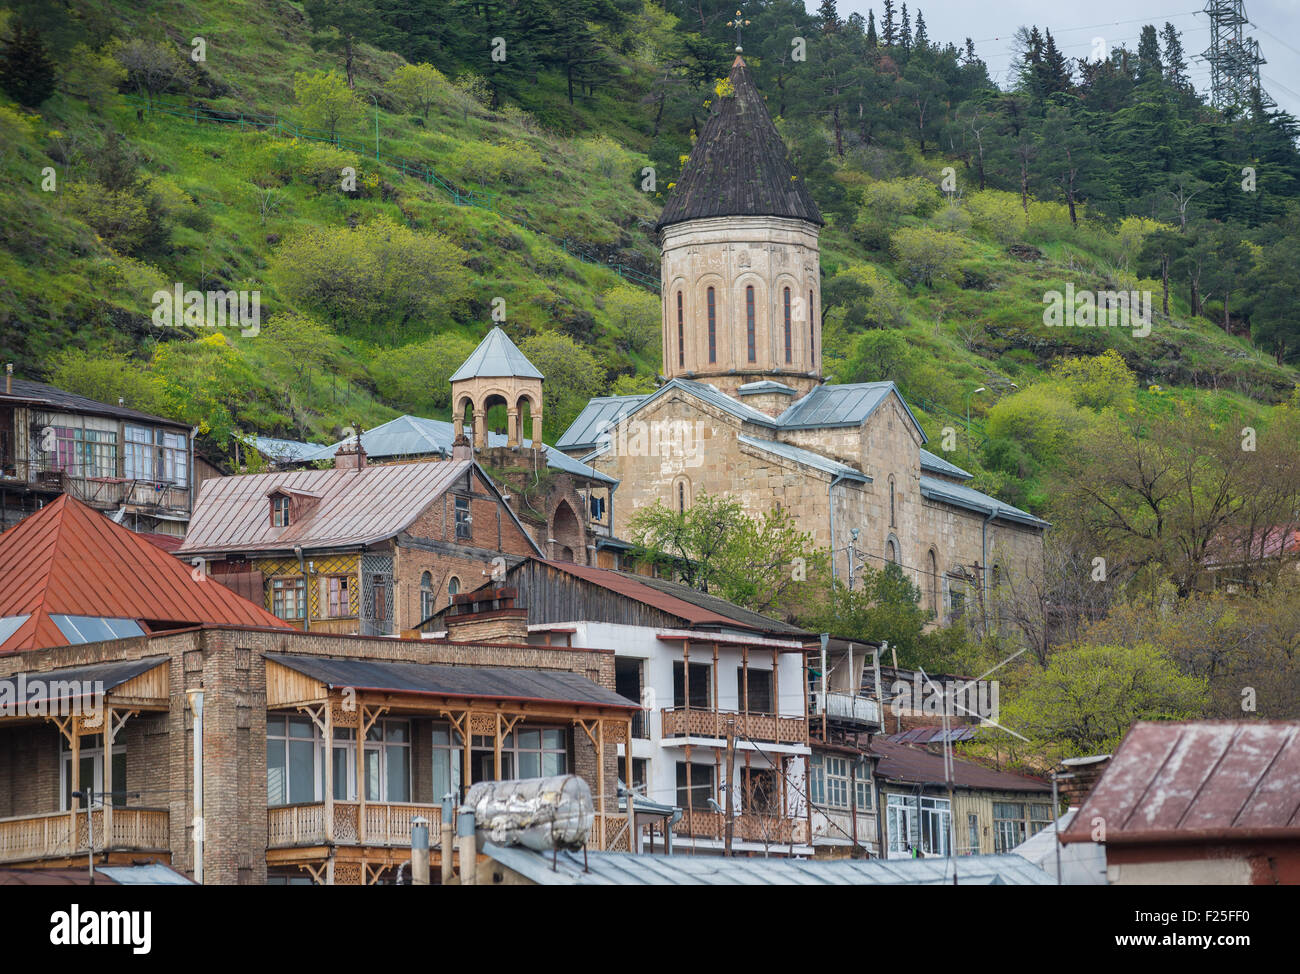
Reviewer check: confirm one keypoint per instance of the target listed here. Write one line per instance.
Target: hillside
(516, 193)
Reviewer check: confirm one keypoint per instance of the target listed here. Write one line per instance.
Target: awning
(52, 691)
(495, 683)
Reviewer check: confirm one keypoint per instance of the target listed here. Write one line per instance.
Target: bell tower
(741, 271)
(497, 373)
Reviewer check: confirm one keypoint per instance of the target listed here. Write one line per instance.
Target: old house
(702, 668)
(927, 810)
(1206, 802)
(138, 695)
(358, 548)
(137, 468)
(746, 411)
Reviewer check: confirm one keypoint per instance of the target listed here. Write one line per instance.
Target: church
(744, 409)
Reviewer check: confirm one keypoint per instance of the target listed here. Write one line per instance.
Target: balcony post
(690, 798)
(328, 731)
(110, 734)
(686, 682)
(776, 695)
(717, 727)
(74, 728)
(744, 682)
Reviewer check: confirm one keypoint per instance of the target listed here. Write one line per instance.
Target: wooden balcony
(847, 708)
(749, 827)
(389, 825)
(58, 835)
(681, 722)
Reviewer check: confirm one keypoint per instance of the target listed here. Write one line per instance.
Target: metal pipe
(984, 549)
(465, 842)
(306, 595)
(830, 502)
(420, 851)
(447, 838)
(195, 698)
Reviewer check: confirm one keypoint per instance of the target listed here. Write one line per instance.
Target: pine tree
(1055, 69)
(970, 52)
(922, 38)
(1148, 58)
(26, 70)
(872, 41)
(890, 34)
(1174, 61)
(905, 31)
(829, 16)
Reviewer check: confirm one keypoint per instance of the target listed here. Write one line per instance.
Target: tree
(890, 31)
(635, 313)
(341, 25)
(1228, 271)
(926, 255)
(883, 604)
(573, 377)
(417, 377)
(92, 75)
(1175, 64)
(150, 67)
(762, 562)
(324, 100)
(27, 72)
(1274, 321)
(1160, 249)
(419, 85)
(1149, 68)
(1085, 700)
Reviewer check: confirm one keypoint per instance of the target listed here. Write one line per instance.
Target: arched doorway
(567, 535)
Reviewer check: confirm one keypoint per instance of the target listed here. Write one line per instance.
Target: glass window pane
(341, 762)
(276, 782)
(554, 763)
(530, 765)
(530, 739)
(553, 739)
(397, 730)
(302, 771)
(399, 774)
(300, 727)
(372, 775)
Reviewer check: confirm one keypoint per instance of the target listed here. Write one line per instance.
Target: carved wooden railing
(385, 824)
(56, 834)
(749, 827)
(680, 722)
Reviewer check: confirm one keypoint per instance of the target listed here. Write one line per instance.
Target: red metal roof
(356, 506)
(902, 762)
(71, 560)
(1207, 780)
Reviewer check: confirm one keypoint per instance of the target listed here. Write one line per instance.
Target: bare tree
(151, 68)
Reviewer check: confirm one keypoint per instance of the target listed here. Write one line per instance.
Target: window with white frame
(288, 598)
(388, 761)
(295, 761)
(428, 597)
(448, 753)
(84, 453)
(280, 511)
(917, 823)
(156, 455)
(835, 780)
(464, 523)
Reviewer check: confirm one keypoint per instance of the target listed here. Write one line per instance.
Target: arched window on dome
(713, 328)
(681, 335)
(812, 331)
(750, 330)
(788, 348)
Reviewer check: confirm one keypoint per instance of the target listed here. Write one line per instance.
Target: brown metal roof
(68, 559)
(39, 394)
(1210, 779)
(355, 508)
(904, 763)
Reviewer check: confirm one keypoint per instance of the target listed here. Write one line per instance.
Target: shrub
(418, 376)
(1042, 419)
(118, 216)
(925, 255)
(997, 215)
(1097, 381)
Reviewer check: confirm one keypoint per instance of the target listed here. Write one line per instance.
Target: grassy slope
(66, 287)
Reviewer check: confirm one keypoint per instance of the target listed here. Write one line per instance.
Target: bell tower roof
(496, 356)
(739, 166)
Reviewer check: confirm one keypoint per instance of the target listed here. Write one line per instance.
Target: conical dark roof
(739, 165)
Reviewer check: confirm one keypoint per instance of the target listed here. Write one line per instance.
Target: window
(427, 599)
(681, 334)
(155, 455)
(463, 520)
(973, 835)
(702, 787)
(597, 507)
(761, 793)
(279, 511)
(388, 761)
(91, 773)
(812, 332)
(760, 690)
(956, 602)
(788, 348)
(84, 453)
(713, 328)
(453, 588)
(830, 781)
(892, 522)
(1008, 825)
(338, 595)
(1040, 817)
(681, 496)
(891, 551)
(627, 684)
(288, 597)
(917, 824)
(862, 784)
(750, 330)
(701, 685)
(639, 769)
(526, 752)
(448, 751)
(932, 583)
(295, 761)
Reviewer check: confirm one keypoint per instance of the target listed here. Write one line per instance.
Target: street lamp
(968, 396)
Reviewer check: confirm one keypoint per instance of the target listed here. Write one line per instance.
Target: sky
(991, 24)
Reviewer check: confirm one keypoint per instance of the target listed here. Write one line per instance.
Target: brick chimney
(350, 456)
(487, 616)
(1084, 772)
(461, 448)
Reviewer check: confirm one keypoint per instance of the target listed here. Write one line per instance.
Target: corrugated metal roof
(807, 458)
(282, 451)
(843, 405)
(1212, 779)
(694, 607)
(68, 559)
(960, 495)
(764, 385)
(38, 393)
(934, 735)
(496, 356)
(902, 762)
(149, 874)
(415, 436)
(739, 165)
(598, 415)
(937, 464)
(627, 869)
(110, 675)
(497, 682)
(356, 506)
